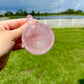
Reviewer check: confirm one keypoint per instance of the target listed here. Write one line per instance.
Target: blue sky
(40, 5)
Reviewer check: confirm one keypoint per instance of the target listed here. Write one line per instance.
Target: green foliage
(69, 11)
(79, 12)
(63, 64)
(33, 12)
(72, 11)
(25, 13)
(38, 13)
(8, 13)
(21, 12)
(1, 15)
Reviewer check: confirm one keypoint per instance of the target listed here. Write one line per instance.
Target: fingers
(17, 33)
(1, 28)
(13, 24)
(18, 46)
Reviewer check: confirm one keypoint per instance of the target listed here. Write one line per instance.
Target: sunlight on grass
(63, 64)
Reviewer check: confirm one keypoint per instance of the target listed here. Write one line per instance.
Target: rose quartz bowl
(38, 38)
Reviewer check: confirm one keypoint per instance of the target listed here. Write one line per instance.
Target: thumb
(17, 33)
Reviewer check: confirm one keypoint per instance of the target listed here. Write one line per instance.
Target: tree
(25, 13)
(19, 12)
(1, 15)
(33, 12)
(78, 12)
(8, 13)
(69, 11)
(46, 13)
(38, 13)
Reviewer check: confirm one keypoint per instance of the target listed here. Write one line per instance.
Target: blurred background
(64, 63)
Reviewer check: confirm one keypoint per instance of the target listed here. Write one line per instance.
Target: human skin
(10, 38)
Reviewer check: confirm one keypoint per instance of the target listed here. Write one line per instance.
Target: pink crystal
(37, 38)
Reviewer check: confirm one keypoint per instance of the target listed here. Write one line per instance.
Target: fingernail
(22, 46)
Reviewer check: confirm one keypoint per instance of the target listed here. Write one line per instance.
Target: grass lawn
(63, 64)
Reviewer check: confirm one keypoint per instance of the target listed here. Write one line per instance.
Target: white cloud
(57, 10)
(77, 6)
(58, 2)
(40, 5)
(2, 11)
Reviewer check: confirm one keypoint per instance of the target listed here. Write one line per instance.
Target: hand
(10, 38)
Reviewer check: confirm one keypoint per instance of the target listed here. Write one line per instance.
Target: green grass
(63, 64)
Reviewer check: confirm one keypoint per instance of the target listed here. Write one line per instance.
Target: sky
(51, 6)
